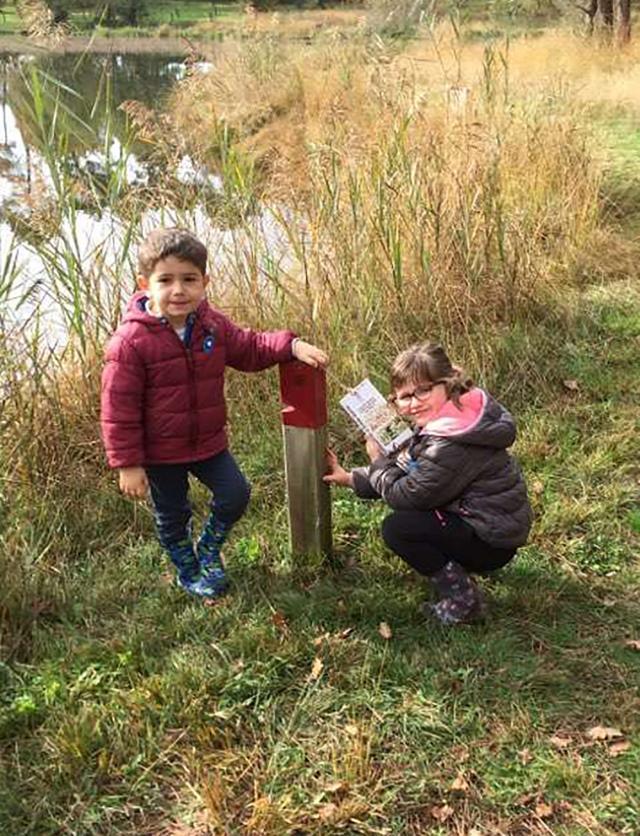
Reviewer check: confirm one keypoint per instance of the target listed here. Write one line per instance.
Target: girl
(459, 502)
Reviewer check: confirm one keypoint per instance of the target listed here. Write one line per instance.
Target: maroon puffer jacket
(163, 400)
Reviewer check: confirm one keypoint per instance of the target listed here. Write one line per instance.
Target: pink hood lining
(451, 420)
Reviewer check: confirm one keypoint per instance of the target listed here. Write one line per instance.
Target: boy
(163, 412)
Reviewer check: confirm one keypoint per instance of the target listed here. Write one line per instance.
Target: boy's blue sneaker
(190, 577)
(184, 559)
(213, 581)
(212, 585)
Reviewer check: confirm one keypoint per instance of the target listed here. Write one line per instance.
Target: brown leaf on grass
(385, 630)
(619, 747)
(603, 733)
(316, 669)
(336, 787)
(543, 810)
(460, 784)
(327, 811)
(344, 634)
(319, 639)
(352, 730)
(634, 644)
(441, 813)
(571, 385)
(279, 621)
(537, 487)
(560, 741)
(525, 757)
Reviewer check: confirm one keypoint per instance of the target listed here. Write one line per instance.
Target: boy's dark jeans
(169, 485)
(428, 540)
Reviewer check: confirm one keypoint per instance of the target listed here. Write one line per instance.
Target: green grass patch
(284, 710)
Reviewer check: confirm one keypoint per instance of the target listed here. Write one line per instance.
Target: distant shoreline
(19, 44)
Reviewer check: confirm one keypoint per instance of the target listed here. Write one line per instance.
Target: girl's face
(419, 402)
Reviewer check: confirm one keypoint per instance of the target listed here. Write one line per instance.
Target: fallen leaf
(525, 756)
(634, 644)
(316, 669)
(344, 634)
(619, 747)
(460, 754)
(279, 621)
(385, 630)
(537, 487)
(559, 741)
(319, 639)
(571, 385)
(336, 786)
(352, 730)
(544, 810)
(460, 784)
(442, 813)
(327, 811)
(603, 733)
(474, 832)
(527, 798)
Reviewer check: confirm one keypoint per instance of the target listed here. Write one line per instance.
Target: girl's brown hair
(429, 363)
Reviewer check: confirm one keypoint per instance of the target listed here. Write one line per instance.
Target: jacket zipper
(193, 390)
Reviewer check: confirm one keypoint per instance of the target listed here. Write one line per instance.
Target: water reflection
(81, 96)
(76, 111)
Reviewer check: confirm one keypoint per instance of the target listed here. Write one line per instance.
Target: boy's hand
(309, 354)
(337, 475)
(134, 482)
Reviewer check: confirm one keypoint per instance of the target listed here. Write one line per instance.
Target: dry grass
(435, 175)
(285, 23)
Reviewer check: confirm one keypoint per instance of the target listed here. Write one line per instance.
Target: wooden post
(303, 391)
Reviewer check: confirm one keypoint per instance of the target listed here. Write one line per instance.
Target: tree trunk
(606, 10)
(624, 30)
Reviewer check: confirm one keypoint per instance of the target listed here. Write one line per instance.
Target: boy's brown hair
(166, 241)
(429, 363)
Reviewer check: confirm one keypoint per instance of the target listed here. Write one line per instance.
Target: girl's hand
(309, 354)
(134, 482)
(337, 475)
(374, 450)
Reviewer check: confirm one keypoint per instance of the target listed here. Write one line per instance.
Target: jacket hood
(479, 420)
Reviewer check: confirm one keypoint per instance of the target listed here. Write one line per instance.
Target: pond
(77, 96)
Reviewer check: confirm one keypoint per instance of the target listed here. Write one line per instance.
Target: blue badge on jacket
(208, 344)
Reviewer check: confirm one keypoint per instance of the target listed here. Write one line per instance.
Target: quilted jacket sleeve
(252, 351)
(121, 413)
(442, 471)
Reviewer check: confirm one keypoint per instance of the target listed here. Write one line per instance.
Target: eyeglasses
(418, 393)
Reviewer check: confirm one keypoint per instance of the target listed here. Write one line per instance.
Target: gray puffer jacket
(458, 462)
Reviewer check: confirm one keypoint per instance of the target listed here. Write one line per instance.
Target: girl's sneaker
(448, 611)
(461, 599)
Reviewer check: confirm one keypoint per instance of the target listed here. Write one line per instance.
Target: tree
(607, 12)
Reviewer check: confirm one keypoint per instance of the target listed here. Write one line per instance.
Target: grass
(127, 708)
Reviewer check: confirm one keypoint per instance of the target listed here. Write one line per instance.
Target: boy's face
(175, 289)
